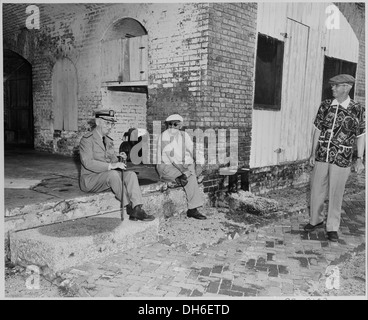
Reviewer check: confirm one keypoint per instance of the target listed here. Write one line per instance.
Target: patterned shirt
(340, 125)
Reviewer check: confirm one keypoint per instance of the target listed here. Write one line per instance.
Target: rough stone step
(64, 245)
(157, 200)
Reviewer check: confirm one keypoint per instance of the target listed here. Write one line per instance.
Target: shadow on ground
(81, 227)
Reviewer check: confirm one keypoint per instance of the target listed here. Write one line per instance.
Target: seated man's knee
(113, 176)
(130, 175)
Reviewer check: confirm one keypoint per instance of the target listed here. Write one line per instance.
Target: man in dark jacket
(101, 169)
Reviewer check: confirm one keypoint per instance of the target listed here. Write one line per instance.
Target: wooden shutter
(64, 93)
(111, 60)
(125, 60)
(57, 87)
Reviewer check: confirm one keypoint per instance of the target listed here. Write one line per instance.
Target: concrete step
(158, 199)
(64, 245)
(61, 233)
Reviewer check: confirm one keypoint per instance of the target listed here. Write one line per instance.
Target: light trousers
(327, 180)
(98, 182)
(169, 172)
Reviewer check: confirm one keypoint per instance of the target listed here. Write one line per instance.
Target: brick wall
(355, 15)
(201, 65)
(130, 111)
(228, 97)
(265, 179)
(182, 77)
(177, 58)
(178, 63)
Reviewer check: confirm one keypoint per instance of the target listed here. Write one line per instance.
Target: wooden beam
(123, 84)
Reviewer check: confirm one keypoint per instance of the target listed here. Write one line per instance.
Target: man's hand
(359, 166)
(117, 165)
(123, 156)
(312, 160)
(187, 173)
(198, 169)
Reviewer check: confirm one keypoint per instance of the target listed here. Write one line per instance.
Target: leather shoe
(129, 209)
(309, 227)
(332, 236)
(193, 213)
(139, 214)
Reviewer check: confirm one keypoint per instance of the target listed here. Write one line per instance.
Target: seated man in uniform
(101, 169)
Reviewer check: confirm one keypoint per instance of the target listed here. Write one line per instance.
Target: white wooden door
(293, 106)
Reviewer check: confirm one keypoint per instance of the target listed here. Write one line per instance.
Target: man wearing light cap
(338, 125)
(176, 163)
(101, 169)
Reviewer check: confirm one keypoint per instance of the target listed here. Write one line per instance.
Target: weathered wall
(264, 174)
(130, 112)
(262, 180)
(228, 94)
(355, 15)
(177, 33)
(201, 65)
(309, 41)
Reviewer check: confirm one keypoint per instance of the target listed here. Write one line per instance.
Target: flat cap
(342, 78)
(174, 117)
(108, 115)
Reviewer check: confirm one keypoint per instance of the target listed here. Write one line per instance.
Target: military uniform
(95, 174)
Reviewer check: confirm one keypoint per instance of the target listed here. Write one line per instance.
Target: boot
(129, 209)
(139, 214)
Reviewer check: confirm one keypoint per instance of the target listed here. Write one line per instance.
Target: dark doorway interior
(18, 105)
(332, 68)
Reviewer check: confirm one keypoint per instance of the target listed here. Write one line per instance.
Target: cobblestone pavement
(276, 260)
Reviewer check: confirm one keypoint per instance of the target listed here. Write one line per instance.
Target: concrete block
(64, 245)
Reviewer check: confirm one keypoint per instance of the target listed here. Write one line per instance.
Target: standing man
(338, 125)
(101, 169)
(176, 163)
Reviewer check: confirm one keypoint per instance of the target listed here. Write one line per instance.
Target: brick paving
(275, 260)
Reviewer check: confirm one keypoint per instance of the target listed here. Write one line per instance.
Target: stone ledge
(77, 194)
(158, 200)
(71, 243)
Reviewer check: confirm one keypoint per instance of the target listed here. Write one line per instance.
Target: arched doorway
(124, 50)
(18, 104)
(124, 75)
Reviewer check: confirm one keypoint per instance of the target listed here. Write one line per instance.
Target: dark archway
(124, 28)
(18, 103)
